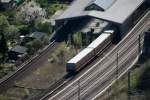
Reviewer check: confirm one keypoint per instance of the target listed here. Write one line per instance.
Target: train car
(102, 41)
(77, 62)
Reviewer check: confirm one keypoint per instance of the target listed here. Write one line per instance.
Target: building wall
(133, 19)
(147, 43)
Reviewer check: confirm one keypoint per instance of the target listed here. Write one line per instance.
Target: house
(36, 35)
(17, 52)
(4, 4)
(32, 36)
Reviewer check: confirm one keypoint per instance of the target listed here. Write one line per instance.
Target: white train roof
(80, 55)
(99, 40)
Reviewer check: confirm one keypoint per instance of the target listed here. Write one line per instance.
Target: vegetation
(42, 27)
(62, 54)
(15, 23)
(3, 47)
(33, 46)
(144, 79)
(77, 39)
(6, 68)
(51, 6)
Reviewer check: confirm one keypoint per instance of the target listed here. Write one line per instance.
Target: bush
(34, 46)
(62, 54)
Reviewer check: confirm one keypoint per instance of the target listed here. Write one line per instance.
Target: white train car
(102, 41)
(77, 62)
(87, 54)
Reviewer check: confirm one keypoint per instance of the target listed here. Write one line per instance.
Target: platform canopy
(113, 10)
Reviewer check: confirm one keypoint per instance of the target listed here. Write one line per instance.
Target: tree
(34, 46)
(12, 32)
(46, 40)
(77, 39)
(3, 23)
(43, 27)
(3, 46)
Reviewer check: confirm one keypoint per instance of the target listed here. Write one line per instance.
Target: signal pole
(78, 89)
(129, 90)
(139, 41)
(117, 72)
(117, 65)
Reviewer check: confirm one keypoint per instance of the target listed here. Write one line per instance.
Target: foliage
(51, 6)
(77, 39)
(5, 69)
(34, 45)
(144, 79)
(51, 9)
(20, 18)
(42, 27)
(23, 28)
(43, 3)
(3, 45)
(46, 39)
(3, 23)
(62, 54)
(12, 32)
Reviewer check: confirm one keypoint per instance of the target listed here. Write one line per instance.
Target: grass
(15, 93)
(5, 69)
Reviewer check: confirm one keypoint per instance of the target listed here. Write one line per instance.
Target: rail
(23, 67)
(110, 54)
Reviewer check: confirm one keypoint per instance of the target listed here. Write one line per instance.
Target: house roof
(37, 35)
(19, 49)
(5, 1)
(118, 12)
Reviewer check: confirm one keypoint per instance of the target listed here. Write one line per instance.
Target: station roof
(118, 12)
(103, 4)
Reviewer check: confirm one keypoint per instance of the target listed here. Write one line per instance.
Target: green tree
(77, 39)
(46, 40)
(43, 27)
(3, 46)
(34, 46)
(3, 23)
(12, 32)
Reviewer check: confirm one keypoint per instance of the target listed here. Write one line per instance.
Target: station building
(119, 13)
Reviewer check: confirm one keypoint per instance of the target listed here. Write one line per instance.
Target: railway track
(26, 66)
(64, 83)
(8, 80)
(54, 88)
(88, 75)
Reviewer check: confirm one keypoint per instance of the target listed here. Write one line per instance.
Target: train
(90, 52)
